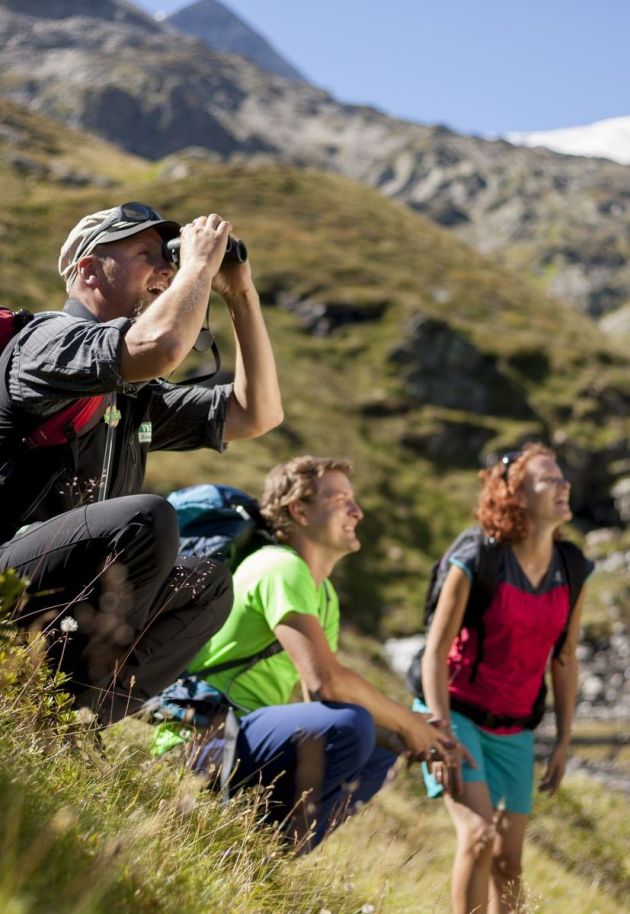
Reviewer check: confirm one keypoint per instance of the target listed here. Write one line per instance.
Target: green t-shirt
(268, 585)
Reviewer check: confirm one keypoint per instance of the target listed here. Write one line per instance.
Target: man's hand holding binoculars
(209, 239)
(206, 242)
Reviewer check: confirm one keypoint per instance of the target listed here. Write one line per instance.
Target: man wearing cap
(122, 612)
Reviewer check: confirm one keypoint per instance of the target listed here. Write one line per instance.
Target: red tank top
(521, 626)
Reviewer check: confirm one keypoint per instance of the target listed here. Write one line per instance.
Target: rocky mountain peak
(223, 30)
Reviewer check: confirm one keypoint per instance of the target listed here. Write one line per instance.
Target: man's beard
(141, 305)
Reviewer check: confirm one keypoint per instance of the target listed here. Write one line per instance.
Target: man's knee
(156, 515)
(354, 727)
(149, 525)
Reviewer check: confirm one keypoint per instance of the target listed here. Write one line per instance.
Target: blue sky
(479, 66)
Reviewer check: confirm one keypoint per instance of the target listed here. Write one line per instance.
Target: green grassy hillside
(379, 271)
(122, 834)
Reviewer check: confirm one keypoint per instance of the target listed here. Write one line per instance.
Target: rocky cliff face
(564, 220)
(109, 10)
(222, 30)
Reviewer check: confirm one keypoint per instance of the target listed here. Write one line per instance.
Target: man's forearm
(163, 335)
(348, 686)
(256, 406)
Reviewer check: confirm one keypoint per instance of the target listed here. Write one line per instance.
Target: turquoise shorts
(504, 762)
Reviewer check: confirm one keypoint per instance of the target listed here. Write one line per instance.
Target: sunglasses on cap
(123, 216)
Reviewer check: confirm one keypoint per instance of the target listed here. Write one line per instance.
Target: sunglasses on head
(122, 215)
(506, 462)
(135, 212)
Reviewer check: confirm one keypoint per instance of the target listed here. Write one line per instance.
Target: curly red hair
(498, 510)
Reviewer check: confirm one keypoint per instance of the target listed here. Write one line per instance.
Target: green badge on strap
(112, 416)
(145, 433)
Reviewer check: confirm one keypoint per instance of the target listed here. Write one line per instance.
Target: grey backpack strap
(274, 648)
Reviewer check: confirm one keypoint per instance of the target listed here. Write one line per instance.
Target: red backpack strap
(73, 420)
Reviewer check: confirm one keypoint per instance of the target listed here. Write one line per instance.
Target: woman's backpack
(488, 555)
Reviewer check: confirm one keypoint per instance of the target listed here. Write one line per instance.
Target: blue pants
(326, 748)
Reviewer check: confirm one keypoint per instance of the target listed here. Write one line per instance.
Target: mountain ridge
(564, 221)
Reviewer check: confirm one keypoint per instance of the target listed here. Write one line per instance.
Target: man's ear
(297, 510)
(89, 270)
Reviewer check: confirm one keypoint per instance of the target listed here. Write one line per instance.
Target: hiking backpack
(76, 418)
(488, 555)
(219, 521)
(223, 523)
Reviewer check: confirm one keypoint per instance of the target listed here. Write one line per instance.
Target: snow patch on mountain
(608, 139)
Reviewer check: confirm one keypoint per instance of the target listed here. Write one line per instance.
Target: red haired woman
(485, 681)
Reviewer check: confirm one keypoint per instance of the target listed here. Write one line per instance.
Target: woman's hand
(447, 770)
(554, 772)
(435, 744)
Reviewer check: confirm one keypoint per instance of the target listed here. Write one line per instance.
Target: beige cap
(109, 225)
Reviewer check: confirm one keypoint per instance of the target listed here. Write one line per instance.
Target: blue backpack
(219, 521)
(225, 523)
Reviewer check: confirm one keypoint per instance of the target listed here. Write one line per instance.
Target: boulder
(321, 318)
(438, 365)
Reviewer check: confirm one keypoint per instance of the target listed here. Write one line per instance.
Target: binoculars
(235, 252)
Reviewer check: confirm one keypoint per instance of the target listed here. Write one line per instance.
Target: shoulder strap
(575, 567)
(77, 417)
(486, 575)
(273, 648)
(488, 559)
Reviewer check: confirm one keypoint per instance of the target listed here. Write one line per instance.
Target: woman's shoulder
(577, 565)
(474, 552)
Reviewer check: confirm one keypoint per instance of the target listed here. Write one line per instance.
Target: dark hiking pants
(122, 613)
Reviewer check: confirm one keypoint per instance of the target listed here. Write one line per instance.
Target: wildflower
(85, 717)
(68, 624)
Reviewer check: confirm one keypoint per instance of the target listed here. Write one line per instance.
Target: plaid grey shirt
(63, 356)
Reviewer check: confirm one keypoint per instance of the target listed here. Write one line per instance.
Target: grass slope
(83, 834)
